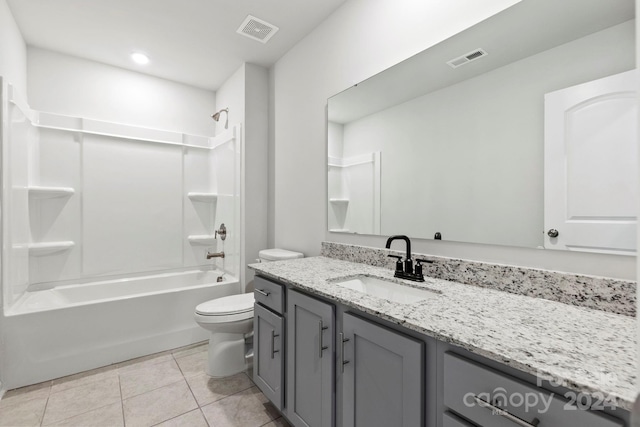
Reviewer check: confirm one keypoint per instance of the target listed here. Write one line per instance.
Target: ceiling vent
(466, 58)
(257, 29)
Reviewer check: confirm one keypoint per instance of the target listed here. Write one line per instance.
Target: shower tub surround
(105, 231)
(587, 351)
(610, 295)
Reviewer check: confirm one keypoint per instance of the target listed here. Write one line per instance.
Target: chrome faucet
(215, 254)
(405, 270)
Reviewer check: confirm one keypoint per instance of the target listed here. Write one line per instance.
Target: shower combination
(216, 117)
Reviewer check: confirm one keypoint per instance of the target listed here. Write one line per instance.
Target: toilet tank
(267, 255)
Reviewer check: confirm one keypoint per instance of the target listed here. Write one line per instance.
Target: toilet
(229, 321)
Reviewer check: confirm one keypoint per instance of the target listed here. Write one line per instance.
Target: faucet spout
(215, 255)
(401, 237)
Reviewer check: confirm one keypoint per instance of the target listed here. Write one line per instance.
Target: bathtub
(68, 329)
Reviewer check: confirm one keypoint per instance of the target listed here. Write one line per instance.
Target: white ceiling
(189, 41)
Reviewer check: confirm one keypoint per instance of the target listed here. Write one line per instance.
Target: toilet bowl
(229, 321)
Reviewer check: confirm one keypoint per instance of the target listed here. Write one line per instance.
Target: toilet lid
(234, 304)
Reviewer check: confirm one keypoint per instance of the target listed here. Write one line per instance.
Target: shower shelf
(48, 248)
(339, 201)
(202, 239)
(339, 230)
(202, 197)
(50, 192)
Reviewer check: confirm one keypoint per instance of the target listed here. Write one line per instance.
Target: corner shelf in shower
(339, 230)
(202, 197)
(37, 192)
(48, 248)
(202, 239)
(339, 201)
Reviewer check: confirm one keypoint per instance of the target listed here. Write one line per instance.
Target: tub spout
(215, 255)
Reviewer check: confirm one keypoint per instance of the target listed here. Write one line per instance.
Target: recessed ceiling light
(140, 58)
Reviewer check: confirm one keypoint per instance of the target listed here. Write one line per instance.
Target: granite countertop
(588, 351)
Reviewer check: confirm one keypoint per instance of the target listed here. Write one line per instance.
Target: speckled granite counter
(590, 351)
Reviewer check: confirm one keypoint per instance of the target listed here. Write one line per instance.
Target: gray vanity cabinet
(382, 376)
(268, 366)
(310, 361)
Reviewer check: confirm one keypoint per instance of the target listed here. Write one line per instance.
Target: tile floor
(168, 389)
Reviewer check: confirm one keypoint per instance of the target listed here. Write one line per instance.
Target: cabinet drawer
(268, 293)
(468, 385)
(451, 420)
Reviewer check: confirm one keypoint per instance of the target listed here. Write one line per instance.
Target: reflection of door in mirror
(591, 185)
(353, 188)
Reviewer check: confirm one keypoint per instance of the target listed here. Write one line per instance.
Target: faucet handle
(428, 261)
(398, 262)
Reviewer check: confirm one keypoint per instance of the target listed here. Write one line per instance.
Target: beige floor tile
(26, 413)
(190, 349)
(22, 394)
(190, 419)
(249, 408)
(78, 400)
(143, 362)
(207, 389)
(193, 364)
(107, 416)
(148, 378)
(158, 405)
(83, 378)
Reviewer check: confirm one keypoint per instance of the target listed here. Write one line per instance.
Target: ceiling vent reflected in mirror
(257, 29)
(467, 57)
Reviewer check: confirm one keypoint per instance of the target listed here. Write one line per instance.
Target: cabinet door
(268, 366)
(310, 355)
(382, 376)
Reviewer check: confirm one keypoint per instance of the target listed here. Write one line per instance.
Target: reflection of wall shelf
(202, 239)
(339, 201)
(202, 197)
(50, 192)
(339, 230)
(48, 248)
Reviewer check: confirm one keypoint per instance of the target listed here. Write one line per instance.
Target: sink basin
(386, 289)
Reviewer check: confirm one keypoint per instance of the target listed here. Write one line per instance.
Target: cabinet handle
(342, 361)
(505, 414)
(273, 344)
(261, 292)
(322, 346)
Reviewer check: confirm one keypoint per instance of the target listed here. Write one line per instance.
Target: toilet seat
(232, 308)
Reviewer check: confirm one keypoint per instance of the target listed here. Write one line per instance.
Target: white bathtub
(68, 329)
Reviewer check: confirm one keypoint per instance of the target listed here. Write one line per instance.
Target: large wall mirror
(519, 131)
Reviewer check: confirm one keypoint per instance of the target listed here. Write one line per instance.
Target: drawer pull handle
(342, 361)
(273, 344)
(322, 346)
(261, 292)
(505, 414)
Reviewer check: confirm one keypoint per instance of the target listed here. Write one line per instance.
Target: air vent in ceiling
(257, 29)
(466, 58)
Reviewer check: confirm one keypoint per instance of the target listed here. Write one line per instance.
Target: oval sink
(386, 289)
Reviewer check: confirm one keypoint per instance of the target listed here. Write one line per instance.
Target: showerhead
(216, 117)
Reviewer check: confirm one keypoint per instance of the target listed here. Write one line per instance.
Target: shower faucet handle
(222, 232)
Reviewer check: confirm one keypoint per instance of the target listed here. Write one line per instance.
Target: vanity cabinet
(310, 361)
(268, 340)
(345, 368)
(382, 375)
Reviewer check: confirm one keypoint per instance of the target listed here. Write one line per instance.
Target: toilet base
(226, 355)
